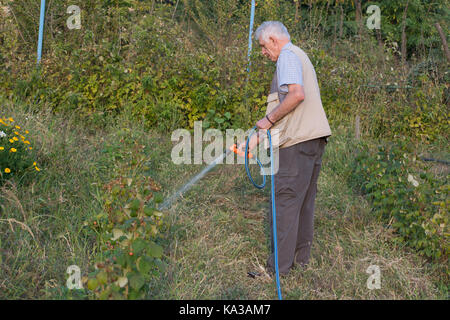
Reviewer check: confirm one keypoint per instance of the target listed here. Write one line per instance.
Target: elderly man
(295, 109)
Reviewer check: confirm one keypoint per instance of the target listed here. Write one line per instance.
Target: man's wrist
(268, 119)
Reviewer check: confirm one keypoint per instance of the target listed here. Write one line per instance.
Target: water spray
(247, 155)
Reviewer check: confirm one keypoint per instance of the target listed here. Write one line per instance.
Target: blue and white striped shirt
(289, 69)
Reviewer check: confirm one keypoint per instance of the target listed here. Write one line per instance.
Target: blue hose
(261, 186)
(250, 32)
(41, 31)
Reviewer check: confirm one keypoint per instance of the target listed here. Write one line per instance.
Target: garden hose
(261, 186)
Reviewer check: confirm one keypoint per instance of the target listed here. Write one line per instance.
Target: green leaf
(160, 264)
(155, 250)
(145, 265)
(102, 277)
(158, 198)
(135, 205)
(148, 211)
(136, 281)
(121, 259)
(92, 284)
(139, 245)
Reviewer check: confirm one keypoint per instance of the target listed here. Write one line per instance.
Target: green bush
(420, 114)
(127, 231)
(405, 196)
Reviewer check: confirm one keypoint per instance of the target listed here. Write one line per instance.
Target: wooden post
(380, 41)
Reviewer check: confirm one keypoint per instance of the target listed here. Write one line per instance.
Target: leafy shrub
(405, 196)
(16, 155)
(420, 114)
(127, 230)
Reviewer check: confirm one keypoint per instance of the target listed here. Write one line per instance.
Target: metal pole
(250, 33)
(41, 31)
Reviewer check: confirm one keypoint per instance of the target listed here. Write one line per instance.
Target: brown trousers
(295, 194)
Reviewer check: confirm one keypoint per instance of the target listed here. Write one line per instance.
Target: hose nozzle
(238, 152)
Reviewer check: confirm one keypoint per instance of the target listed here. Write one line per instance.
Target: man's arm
(292, 100)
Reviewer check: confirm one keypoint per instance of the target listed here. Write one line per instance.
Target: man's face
(270, 48)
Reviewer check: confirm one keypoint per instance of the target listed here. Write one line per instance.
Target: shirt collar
(286, 46)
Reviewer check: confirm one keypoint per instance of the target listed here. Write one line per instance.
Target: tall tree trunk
(153, 5)
(404, 41)
(359, 16)
(341, 22)
(175, 10)
(333, 46)
(444, 40)
(297, 5)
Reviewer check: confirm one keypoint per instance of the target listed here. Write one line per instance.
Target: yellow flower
(17, 127)
(30, 148)
(7, 170)
(27, 132)
(15, 139)
(11, 119)
(34, 163)
(26, 142)
(13, 150)
(2, 148)
(37, 169)
(15, 132)
(11, 140)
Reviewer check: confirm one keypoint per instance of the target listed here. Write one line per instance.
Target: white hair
(272, 28)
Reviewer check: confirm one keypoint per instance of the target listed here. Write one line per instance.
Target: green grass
(218, 230)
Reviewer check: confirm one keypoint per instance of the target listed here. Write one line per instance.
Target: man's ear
(272, 41)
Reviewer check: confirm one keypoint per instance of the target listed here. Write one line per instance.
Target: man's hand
(251, 145)
(263, 124)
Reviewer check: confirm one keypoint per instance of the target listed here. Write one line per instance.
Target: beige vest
(308, 120)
